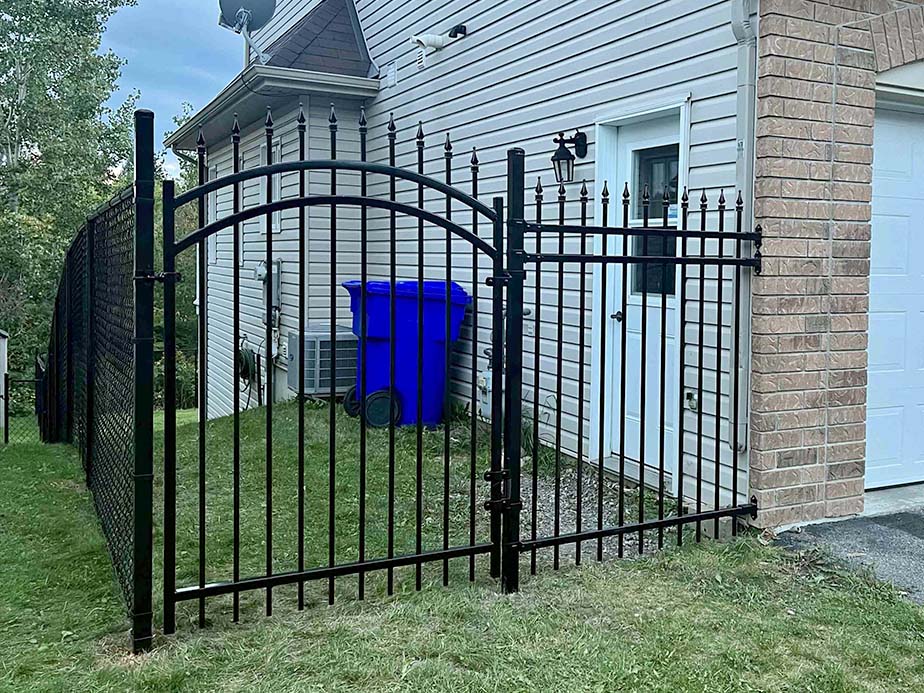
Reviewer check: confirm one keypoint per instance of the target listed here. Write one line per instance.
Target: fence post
(6, 407)
(91, 345)
(513, 409)
(69, 356)
(142, 606)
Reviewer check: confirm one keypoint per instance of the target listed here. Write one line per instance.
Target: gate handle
(617, 316)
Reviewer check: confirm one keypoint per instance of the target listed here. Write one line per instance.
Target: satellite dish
(245, 16)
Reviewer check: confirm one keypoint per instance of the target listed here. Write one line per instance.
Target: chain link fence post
(142, 603)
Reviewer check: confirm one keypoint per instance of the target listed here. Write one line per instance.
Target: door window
(658, 168)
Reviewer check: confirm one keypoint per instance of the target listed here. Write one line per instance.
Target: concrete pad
(894, 500)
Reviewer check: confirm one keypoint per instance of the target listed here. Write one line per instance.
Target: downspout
(744, 26)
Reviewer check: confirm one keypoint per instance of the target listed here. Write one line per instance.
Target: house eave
(256, 88)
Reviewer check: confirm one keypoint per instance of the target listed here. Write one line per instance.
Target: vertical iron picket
(202, 394)
(473, 464)
(418, 494)
(332, 430)
(170, 405)
(682, 358)
(392, 341)
(447, 357)
(237, 256)
(363, 352)
(268, 361)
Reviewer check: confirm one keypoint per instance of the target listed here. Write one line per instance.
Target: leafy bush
(185, 381)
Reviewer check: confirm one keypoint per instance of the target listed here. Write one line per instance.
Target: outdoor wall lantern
(563, 159)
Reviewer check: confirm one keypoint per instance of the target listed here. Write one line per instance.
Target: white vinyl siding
(527, 70)
(285, 243)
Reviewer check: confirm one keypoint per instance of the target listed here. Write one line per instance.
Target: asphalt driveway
(892, 546)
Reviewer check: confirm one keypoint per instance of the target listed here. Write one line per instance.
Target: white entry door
(646, 153)
(895, 420)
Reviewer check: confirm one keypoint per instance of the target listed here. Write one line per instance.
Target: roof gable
(328, 39)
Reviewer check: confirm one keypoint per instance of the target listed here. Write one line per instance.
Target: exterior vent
(318, 360)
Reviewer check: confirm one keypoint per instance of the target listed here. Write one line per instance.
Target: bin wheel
(351, 403)
(378, 406)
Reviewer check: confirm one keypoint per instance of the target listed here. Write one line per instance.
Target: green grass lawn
(711, 618)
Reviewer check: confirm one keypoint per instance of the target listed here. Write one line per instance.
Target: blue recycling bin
(378, 341)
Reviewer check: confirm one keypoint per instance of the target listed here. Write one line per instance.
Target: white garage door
(895, 432)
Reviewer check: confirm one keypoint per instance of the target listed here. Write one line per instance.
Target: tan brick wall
(817, 67)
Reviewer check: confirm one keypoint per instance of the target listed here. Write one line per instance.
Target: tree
(62, 151)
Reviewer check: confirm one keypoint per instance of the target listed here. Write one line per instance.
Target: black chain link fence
(97, 378)
(20, 408)
(92, 348)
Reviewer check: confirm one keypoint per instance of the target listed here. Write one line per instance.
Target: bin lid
(431, 289)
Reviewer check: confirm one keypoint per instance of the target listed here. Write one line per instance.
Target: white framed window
(211, 216)
(277, 183)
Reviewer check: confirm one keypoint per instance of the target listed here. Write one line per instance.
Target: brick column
(817, 69)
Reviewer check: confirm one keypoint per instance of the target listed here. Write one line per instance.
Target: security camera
(433, 42)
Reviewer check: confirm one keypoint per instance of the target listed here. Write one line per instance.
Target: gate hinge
(758, 255)
(161, 277)
(503, 279)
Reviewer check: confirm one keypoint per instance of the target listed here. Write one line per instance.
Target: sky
(175, 53)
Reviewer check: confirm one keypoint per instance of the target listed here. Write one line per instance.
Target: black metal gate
(390, 240)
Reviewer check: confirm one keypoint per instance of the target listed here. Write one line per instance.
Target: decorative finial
(584, 190)
(269, 118)
(475, 157)
(626, 194)
(391, 125)
(722, 198)
(703, 200)
(448, 145)
(362, 117)
(301, 115)
(606, 191)
(646, 198)
(236, 130)
(420, 133)
(739, 203)
(200, 140)
(332, 118)
(667, 196)
(685, 198)
(539, 186)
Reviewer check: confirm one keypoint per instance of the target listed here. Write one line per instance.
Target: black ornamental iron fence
(598, 359)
